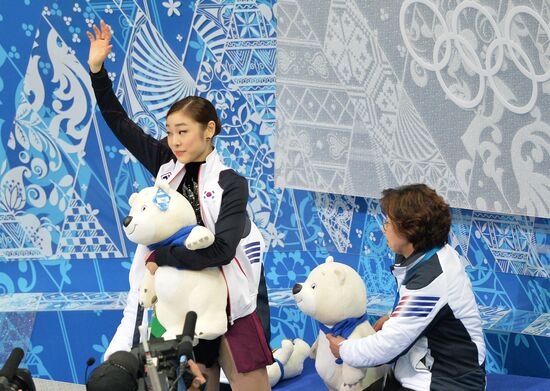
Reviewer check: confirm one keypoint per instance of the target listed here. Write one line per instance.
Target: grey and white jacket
(433, 336)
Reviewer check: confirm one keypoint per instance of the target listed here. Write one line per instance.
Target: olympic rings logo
(494, 58)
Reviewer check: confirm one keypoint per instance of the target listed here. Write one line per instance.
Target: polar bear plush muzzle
(137, 225)
(305, 298)
(157, 204)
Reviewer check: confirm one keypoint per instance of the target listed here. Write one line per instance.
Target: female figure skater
(190, 163)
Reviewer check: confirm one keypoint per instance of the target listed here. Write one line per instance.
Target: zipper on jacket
(229, 316)
(199, 191)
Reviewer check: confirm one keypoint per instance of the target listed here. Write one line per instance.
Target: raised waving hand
(100, 46)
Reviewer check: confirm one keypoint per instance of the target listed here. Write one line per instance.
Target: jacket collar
(400, 260)
(211, 160)
(399, 268)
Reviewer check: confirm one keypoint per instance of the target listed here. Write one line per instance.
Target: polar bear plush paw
(200, 237)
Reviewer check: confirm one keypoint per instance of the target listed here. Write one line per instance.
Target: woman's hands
(152, 267)
(380, 322)
(199, 379)
(150, 263)
(100, 46)
(334, 343)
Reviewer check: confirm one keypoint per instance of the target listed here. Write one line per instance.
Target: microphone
(23, 380)
(127, 360)
(185, 350)
(185, 347)
(89, 363)
(119, 373)
(10, 367)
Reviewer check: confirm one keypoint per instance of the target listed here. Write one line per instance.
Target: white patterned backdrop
(375, 94)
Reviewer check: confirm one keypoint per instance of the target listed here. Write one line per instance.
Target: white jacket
(434, 335)
(242, 274)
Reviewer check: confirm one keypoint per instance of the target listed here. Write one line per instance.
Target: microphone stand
(151, 367)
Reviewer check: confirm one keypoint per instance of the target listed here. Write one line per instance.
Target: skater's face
(189, 140)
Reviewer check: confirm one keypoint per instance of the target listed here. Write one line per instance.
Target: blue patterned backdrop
(65, 181)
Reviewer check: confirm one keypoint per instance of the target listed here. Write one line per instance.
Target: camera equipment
(118, 373)
(165, 363)
(12, 378)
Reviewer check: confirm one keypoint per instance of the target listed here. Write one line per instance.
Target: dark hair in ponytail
(199, 109)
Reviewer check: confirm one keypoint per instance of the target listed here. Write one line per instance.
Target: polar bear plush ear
(132, 199)
(329, 259)
(340, 276)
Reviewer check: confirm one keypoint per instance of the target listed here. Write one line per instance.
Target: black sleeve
(148, 151)
(229, 228)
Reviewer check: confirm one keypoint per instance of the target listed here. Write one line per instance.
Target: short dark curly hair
(419, 214)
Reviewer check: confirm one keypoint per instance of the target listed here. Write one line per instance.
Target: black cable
(89, 363)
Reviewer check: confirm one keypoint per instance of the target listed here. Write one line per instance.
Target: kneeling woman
(433, 334)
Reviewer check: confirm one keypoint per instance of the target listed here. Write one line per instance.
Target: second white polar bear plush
(289, 360)
(160, 215)
(332, 294)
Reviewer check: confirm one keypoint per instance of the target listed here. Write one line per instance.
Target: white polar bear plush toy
(289, 360)
(336, 296)
(159, 215)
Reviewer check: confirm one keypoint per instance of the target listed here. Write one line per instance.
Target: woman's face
(397, 242)
(188, 139)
